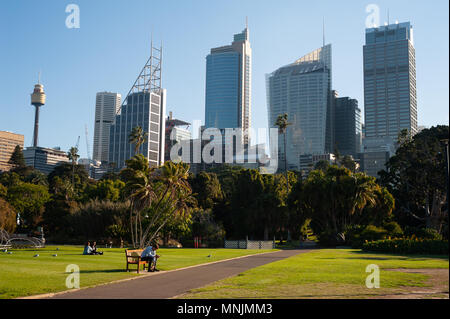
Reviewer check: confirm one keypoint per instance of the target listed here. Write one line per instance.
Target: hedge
(412, 245)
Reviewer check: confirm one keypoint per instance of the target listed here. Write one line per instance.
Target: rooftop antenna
(246, 22)
(388, 17)
(323, 30)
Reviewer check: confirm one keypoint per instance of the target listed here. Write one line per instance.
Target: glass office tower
(147, 110)
(348, 127)
(390, 98)
(303, 91)
(228, 85)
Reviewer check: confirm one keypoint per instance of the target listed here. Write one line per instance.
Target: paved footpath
(169, 284)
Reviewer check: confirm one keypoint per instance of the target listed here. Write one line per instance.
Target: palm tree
(163, 192)
(174, 195)
(283, 124)
(73, 156)
(137, 137)
(139, 187)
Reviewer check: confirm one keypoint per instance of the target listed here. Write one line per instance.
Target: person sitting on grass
(87, 249)
(94, 249)
(149, 254)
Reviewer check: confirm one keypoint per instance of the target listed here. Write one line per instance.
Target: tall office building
(144, 106)
(390, 97)
(303, 91)
(228, 85)
(106, 107)
(8, 143)
(348, 126)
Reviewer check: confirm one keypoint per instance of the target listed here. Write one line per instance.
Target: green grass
(322, 274)
(21, 274)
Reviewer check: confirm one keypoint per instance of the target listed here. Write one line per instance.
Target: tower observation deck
(37, 100)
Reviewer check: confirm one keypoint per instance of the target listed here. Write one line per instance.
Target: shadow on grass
(108, 271)
(403, 256)
(361, 258)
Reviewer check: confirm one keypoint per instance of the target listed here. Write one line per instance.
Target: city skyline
(71, 89)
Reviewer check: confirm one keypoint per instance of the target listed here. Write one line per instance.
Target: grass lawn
(327, 274)
(21, 274)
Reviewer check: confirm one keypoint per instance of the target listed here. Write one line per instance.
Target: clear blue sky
(113, 43)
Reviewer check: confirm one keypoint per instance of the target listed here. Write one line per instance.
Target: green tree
(347, 197)
(29, 201)
(73, 157)
(3, 191)
(348, 162)
(322, 165)
(282, 123)
(207, 189)
(9, 179)
(137, 137)
(17, 159)
(7, 216)
(156, 196)
(60, 181)
(416, 178)
(105, 190)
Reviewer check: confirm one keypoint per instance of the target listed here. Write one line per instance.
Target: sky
(112, 45)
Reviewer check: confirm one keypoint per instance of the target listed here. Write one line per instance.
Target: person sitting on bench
(149, 255)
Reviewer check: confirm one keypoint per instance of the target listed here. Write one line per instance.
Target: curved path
(169, 284)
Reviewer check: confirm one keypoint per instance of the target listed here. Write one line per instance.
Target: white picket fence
(249, 244)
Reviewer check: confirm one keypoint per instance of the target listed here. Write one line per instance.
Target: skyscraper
(228, 85)
(144, 106)
(106, 107)
(390, 97)
(347, 128)
(303, 91)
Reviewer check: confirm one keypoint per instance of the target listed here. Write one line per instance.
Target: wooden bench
(134, 258)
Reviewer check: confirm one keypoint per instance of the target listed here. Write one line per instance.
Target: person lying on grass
(149, 254)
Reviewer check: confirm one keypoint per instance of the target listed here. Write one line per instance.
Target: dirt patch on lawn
(438, 285)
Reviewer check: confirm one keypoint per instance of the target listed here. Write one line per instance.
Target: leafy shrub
(393, 229)
(329, 239)
(356, 235)
(412, 245)
(424, 233)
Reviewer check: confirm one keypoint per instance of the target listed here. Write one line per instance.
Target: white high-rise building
(303, 91)
(106, 106)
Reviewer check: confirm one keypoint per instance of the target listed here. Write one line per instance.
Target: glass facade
(303, 91)
(390, 96)
(222, 87)
(348, 128)
(228, 85)
(144, 109)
